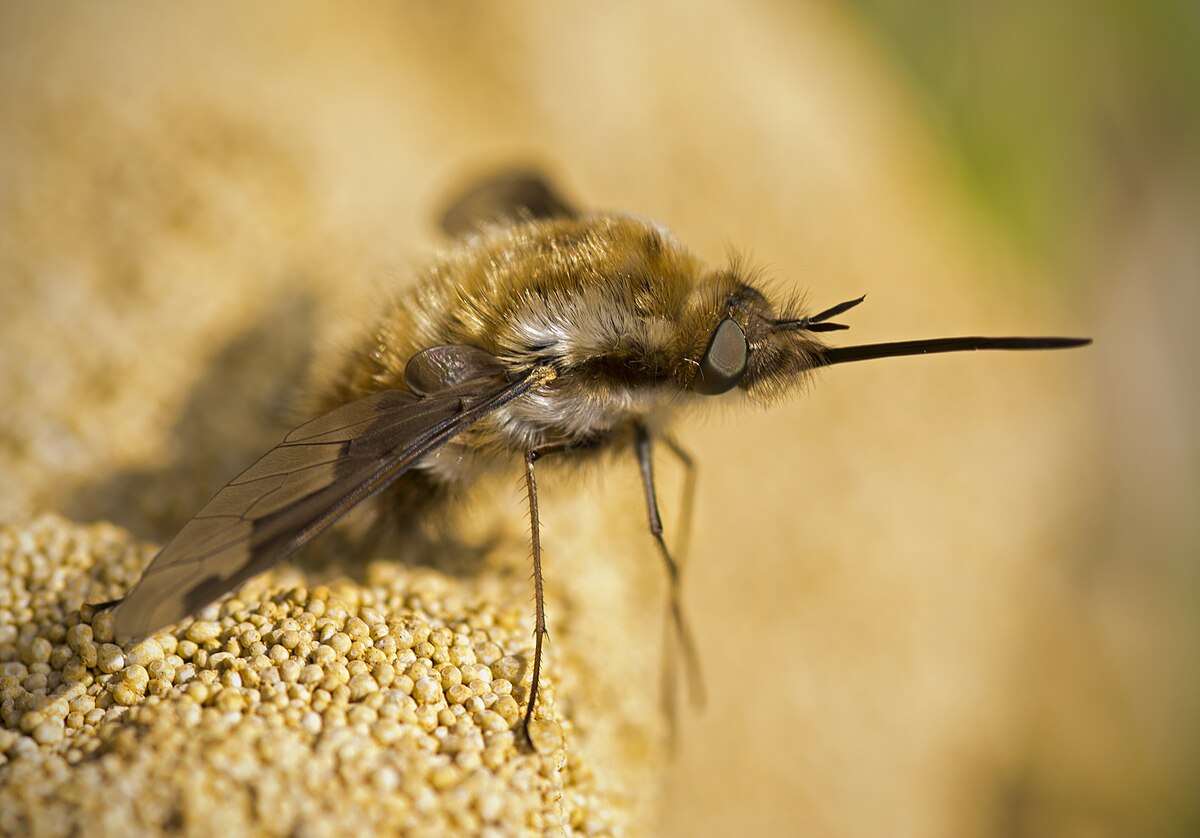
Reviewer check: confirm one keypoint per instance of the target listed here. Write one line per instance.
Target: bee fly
(546, 332)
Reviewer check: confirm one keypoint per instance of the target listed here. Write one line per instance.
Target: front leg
(539, 628)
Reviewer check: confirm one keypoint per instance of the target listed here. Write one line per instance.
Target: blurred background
(953, 596)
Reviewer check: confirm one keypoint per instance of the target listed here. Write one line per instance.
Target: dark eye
(724, 361)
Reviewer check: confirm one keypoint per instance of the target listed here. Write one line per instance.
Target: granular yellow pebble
(102, 627)
(145, 652)
(300, 711)
(125, 695)
(506, 706)
(89, 654)
(110, 658)
(546, 735)
(509, 668)
(458, 694)
(37, 651)
(48, 733)
(361, 686)
(202, 631)
(427, 690)
(79, 634)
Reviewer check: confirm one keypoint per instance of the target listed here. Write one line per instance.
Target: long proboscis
(867, 351)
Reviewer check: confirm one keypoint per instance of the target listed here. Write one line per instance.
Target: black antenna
(816, 322)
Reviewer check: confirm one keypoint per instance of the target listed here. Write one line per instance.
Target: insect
(545, 333)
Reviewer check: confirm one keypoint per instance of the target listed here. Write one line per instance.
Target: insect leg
(689, 496)
(682, 546)
(642, 448)
(539, 629)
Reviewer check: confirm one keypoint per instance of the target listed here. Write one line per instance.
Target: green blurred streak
(1051, 109)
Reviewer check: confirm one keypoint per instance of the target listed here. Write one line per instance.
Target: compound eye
(724, 361)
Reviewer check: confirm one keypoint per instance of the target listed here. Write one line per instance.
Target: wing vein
(296, 490)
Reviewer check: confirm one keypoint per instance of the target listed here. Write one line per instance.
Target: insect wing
(506, 197)
(298, 489)
(443, 367)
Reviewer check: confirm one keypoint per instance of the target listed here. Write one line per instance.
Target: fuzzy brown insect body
(550, 333)
(611, 303)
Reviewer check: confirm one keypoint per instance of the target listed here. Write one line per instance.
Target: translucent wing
(505, 197)
(299, 488)
(442, 367)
